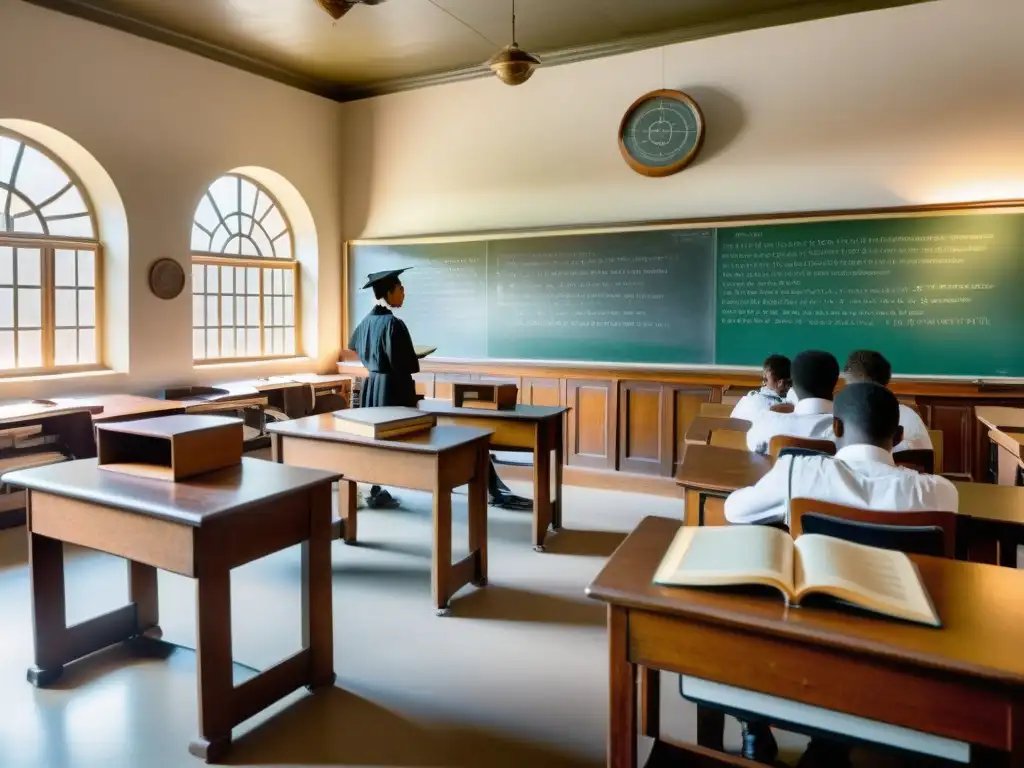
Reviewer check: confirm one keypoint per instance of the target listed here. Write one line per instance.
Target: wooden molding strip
(340, 92)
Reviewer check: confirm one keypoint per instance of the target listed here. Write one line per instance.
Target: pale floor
(515, 677)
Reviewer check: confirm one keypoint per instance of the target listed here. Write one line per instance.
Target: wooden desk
(322, 382)
(437, 460)
(1001, 419)
(963, 682)
(534, 428)
(223, 397)
(201, 528)
(989, 513)
(700, 429)
(1008, 448)
(123, 407)
(707, 471)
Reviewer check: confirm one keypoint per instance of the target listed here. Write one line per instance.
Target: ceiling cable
(468, 26)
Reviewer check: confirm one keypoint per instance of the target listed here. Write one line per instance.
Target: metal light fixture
(338, 8)
(511, 64)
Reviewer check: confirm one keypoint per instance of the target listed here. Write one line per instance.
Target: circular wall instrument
(166, 278)
(661, 133)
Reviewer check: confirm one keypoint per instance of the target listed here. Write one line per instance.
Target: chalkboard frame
(1013, 205)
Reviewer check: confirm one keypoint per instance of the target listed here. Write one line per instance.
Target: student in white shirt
(815, 375)
(862, 474)
(775, 383)
(866, 365)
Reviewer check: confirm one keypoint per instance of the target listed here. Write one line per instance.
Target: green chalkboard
(939, 293)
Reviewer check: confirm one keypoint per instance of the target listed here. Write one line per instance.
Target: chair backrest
(919, 533)
(779, 442)
(728, 438)
(782, 407)
(920, 459)
(937, 449)
(721, 410)
(794, 451)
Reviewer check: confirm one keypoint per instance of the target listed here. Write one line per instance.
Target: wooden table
(708, 471)
(700, 429)
(123, 407)
(437, 460)
(963, 682)
(534, 428)
(990, 512)
(201, 528)
(1003, 465)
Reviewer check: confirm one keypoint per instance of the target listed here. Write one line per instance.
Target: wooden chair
(728, 438)
(920, 459)
(782, 408)
(777, 443)
(924, 533)
(719, 410)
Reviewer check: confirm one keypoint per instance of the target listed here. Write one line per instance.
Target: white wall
(921, 104)
(164, 124)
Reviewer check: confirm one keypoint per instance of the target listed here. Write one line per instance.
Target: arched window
(49, 264)
(244, 274)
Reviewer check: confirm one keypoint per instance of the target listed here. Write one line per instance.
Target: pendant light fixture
(511, 64)
(338, 8)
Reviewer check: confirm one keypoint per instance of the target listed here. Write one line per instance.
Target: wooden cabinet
(591, 426)
(541, 392)
(687, 407)
(956, 422)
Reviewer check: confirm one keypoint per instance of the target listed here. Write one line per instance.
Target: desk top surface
(983, 621)
(434, 440)
(995, 503)
(16, 413)
(701, 427)
(996, 416)
(192, 502)
(520, 413)
(123, 406)
(712, 468)
(269, 384)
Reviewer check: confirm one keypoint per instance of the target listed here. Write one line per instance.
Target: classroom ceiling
(401, 44)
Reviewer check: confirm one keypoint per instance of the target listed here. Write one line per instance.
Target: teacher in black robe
(385, 349)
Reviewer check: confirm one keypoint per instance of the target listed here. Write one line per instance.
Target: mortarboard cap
(376, 277)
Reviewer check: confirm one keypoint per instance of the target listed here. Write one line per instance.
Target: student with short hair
(815, 375)
(862, 473)
(868, 365)
(775, 383)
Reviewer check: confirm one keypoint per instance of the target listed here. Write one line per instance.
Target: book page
(728, 555)
(880, 580)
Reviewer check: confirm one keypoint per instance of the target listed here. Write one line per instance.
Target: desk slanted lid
(170, 426)
(983, 621)
(720, 470)
(434, 440)
(519, 413)
(192, 502)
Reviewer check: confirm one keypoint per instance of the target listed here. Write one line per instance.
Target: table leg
(650, 702)
(710, 728)
(213, 658)
(143, 592)
(347, 510)
(46, 571)
(542, 515)
(556, 509)
(478, 516)
(622, 725)
(441, 566)
(318, 591)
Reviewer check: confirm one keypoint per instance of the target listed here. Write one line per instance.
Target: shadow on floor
(511, 604)
(591, 543)
(334, 727)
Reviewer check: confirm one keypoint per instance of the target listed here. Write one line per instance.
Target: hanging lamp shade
(336, 8)
(513, 65)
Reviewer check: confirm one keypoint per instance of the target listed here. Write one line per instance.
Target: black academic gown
(384, 346)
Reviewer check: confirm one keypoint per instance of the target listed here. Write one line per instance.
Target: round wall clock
(661, 133)
(166, 278)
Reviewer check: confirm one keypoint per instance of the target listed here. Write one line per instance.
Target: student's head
(775, 374)
(815, 374)
(867, 365)
(391, 290)
(866, 413)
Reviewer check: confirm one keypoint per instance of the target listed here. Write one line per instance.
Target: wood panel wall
(632, 424)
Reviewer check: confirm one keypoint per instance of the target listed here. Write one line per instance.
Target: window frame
(292, 264)
(48, 245)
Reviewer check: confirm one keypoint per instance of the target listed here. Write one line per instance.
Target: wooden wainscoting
(542, 391)
(645, 428)
(592, 423)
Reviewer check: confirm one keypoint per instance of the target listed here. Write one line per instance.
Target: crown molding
(342, 92)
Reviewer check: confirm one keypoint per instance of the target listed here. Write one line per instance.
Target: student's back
(815, 375)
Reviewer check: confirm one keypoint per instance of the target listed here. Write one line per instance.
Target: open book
(878, 580)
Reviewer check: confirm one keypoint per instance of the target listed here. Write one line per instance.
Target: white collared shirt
(755, 403)
(811, 417)
(915, 433)
(792, 396)
(860, 476)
